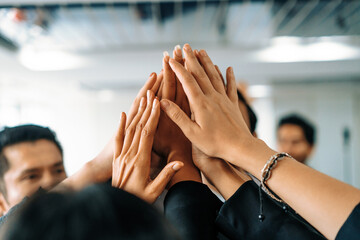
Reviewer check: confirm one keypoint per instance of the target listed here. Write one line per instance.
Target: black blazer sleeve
(238, 218)
(351, 228)
(191, 208)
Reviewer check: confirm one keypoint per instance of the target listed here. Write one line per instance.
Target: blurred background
(75, 65)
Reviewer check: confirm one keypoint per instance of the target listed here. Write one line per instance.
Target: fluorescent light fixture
(49, 60)
(290, 50)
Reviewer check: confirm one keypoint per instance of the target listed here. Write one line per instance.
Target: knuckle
(167, 175)
(130, 130)
(139, 126)
(176, 115)
(146, 132)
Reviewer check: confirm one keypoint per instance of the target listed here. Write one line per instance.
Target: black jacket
(198, 214)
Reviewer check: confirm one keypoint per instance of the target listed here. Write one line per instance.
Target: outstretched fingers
(179, 117)
(177, 54)
(142, 122)
(148, 133)
(119, 137)
(211, 71)
(169, 88)
(188, 82)
(151, 84)
(130, 130)
(194, 67)
(231, 89)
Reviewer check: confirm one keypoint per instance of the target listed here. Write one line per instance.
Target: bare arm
(323, 201)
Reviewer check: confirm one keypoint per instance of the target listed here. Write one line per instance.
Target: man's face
(291, 139)
(31, 165)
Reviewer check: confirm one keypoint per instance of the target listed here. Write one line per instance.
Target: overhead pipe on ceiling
(302, 14)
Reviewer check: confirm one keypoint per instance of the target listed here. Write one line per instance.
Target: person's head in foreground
(30, 158)
(97, 212)
(296, 136)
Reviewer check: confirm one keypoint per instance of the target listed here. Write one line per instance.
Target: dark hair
(306, 126)
(97, 212)
(251, 113)
(19, 134)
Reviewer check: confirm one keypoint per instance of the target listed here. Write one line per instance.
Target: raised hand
(170, 142)
(132, 156)
(153, 84)
(218, 126)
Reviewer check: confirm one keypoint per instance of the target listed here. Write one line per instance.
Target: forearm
(92, 172)
(323, 201)
(223, 178)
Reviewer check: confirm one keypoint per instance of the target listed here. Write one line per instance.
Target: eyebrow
(58, 164)
(32, 170)
(27, 171)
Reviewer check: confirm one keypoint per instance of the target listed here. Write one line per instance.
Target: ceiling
(107, 37)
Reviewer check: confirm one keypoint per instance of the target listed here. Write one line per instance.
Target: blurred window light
(291, 50)
(10, 115)
(259, 91)
(49, 60)
(106, 95)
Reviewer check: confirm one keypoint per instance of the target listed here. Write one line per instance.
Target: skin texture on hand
(323, 201)
(100, 168)
(218, 173)
(132, 156)
(170, 142)
(211, 105)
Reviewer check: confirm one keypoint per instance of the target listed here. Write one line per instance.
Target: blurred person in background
(296, 136)
(31, 157)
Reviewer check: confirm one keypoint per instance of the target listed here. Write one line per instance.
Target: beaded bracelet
(265, 175)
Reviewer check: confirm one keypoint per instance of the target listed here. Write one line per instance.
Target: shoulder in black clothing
(351, 228)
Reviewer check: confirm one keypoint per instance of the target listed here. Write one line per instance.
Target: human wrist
(223, 178)
(251, 156)
(188, 172)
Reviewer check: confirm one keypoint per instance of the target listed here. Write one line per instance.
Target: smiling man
(30, 158)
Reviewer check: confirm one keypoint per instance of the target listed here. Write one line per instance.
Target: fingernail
(142, 102)
(166, 54)
(203, 53)
(152, 74)
(177, 166)
(231, 70)
(187, 48)
(164, 104)
(178, 50)
(171, 61)
(155, 103)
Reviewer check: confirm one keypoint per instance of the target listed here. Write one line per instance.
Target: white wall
(332, 106)
(83, 120)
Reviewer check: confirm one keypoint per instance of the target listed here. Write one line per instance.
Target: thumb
(159, 183)
(180, 118)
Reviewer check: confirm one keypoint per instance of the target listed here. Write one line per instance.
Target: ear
(4, 206)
